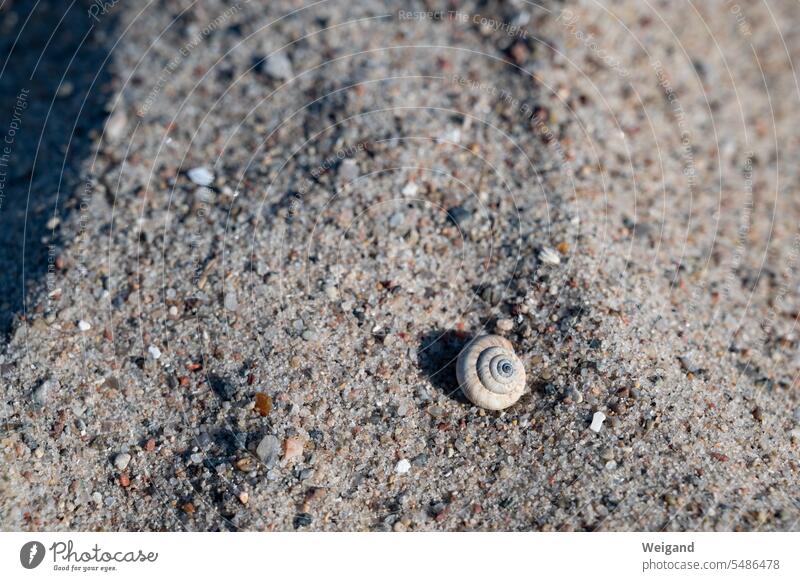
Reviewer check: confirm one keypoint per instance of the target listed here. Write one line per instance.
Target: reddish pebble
(188, 508)
(184, 381)
(292, 448)
(150, 445)
(719, 457)
(124, 480)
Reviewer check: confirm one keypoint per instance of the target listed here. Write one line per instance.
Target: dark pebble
(302, 520)
(223, 388)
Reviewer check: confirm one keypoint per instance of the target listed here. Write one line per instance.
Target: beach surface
(257, 234)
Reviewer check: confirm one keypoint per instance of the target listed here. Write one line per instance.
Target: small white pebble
(403, 466)
(504, 325)
(597, 421)
(549, 256)
(410, 190)
(154, 351)
(202, 176)
(84, 326)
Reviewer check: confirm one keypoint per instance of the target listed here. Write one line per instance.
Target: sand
(371, 185)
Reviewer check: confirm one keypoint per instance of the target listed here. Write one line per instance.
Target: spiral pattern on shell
(489, 372)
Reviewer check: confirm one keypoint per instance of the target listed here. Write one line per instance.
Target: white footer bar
(404, 556)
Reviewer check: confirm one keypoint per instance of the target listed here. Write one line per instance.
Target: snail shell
(489, 372)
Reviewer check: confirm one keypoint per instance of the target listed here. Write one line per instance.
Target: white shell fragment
(597, 421)
(549, 256)
(489, 372)
(202, 176)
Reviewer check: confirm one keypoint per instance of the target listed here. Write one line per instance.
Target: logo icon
(31, 554)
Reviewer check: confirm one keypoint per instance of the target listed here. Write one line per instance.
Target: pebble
(397, 219)
(84, 326)
(597, 421)
(154, 351)
(116, 124)
(403, 466)
(292, 448)
(268, 450)
(348, 171)
(688, 362)
(263, 404)
(230, 302)
(66, 89)
(309, 336)
(459, 216)
(504, 325)
(202, 176)
(279, 67)
(41, 393)
(121, 461)
(574, 395)
(797, 415)
(410, 190)
(549, 256)
(196, 458)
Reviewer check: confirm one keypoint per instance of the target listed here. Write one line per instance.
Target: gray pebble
(397, 219)
(574, 395)
(688, 362)
(459, 216)
(279, 67)
(348, 171)
(43, 391)
(231, 303)
(309, 336)
(121, 461)
(268, 450)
